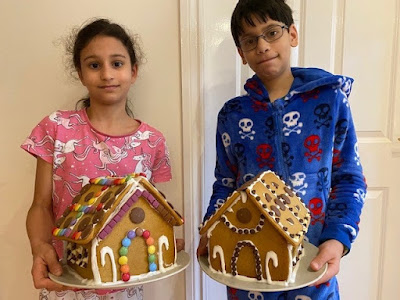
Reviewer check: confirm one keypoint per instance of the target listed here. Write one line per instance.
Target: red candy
(126, 276)
(146, 234)
(100, 206)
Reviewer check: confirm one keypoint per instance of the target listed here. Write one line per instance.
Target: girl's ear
(294, 36)
(134, 73)
(81, 77)
(242, 56)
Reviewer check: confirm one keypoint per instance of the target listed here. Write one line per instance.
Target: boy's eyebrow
(95, 56)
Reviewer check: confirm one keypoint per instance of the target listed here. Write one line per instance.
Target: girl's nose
(106, 73)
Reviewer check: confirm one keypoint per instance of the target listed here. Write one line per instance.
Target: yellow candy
(151, 249)
(123, 260)
(77, 206)
(93, 200)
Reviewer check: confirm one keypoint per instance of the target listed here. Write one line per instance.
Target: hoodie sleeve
(348, 187)
(225, 170)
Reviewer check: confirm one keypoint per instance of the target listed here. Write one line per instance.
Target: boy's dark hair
(101, 27)
(245, 10)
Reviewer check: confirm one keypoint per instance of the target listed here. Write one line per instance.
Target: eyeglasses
(270, 35)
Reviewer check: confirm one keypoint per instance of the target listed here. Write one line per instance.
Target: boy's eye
(270, 33)
(249, 41)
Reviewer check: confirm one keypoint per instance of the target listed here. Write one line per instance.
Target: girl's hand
(330, 252)
(180, 245)
(45, 261)
(202, 248)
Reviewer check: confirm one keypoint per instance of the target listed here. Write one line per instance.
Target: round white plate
(72, 279)
(305, 275)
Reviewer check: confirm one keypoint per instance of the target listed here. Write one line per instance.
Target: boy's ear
(242, 56)
(134, 73)
(294, 36)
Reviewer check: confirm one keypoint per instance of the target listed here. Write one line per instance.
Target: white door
(358, 38)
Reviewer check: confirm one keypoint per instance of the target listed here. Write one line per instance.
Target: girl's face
(106, 71)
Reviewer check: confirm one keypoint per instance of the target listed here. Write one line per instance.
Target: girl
(101, 138)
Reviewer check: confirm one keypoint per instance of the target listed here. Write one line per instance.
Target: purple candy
(131, 234)
(102, 234)
(112, 223)
(73, 222)
(108, 229)
(117, 218)
(155, 204)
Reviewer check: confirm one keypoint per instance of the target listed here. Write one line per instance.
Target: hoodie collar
(305, 80)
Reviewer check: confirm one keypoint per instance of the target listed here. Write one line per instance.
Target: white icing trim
(176, 253)
(243, 195)
(218, 249)
(212, 227)
(290, 252)
(162, 240)
(95, 267)
(103, 252)
(271, 255)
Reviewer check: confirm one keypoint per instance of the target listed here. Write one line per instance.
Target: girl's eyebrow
(113, 56)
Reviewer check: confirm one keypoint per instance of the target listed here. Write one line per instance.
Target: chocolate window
(137, 215)
(243, 215)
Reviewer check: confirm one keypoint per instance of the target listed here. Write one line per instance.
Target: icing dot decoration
(123, 251)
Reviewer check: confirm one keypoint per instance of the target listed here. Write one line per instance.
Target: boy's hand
(45, 261)
(330, 252)
(202, 248)
(180, 244)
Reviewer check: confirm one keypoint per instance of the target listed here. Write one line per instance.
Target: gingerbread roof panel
(280, 205)
(103, 202)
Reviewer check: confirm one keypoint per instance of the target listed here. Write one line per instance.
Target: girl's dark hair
(101, 27)
(246, 10)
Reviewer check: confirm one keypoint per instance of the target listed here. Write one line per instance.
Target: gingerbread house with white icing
(257, 234)
(118, 228)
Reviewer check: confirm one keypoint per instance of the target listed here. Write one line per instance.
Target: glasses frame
(283, 27)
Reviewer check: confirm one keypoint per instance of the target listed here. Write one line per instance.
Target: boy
(296, 122)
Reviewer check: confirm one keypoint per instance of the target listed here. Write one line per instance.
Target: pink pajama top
(78, 152)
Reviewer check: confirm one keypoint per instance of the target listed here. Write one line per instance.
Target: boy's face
(269, 60)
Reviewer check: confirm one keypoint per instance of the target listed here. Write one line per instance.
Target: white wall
(33, 83)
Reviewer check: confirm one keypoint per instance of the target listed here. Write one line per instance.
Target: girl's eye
(118, 64)
(94, 65)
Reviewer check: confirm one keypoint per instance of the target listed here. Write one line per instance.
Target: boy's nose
(262, 45)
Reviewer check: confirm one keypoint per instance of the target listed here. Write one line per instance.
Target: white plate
(72, 279)
(305, 275)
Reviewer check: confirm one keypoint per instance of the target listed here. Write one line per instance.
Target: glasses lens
(271, 34)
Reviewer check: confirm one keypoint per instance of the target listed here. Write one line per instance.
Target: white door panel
(358, 38)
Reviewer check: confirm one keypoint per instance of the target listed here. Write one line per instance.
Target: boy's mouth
(267, 59)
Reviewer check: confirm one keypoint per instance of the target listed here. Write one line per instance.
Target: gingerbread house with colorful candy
(257, 233)
(118, 228)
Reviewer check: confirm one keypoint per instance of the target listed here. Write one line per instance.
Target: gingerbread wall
(34, 83)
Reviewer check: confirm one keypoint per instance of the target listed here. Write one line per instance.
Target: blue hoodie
(307, 138)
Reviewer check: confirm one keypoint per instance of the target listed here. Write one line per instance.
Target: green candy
(123, 251)
(152, 258)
